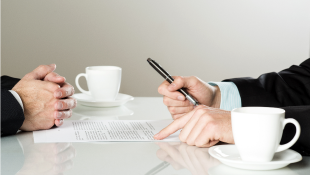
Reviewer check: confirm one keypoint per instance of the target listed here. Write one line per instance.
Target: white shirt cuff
(15, 94)
(230, 97)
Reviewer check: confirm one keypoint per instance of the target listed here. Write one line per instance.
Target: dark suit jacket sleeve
(288, 89)
(12, 115)
(8, 82)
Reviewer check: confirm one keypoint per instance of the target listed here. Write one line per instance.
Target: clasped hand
(46, 98)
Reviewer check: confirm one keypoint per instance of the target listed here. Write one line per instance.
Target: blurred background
(213, 40)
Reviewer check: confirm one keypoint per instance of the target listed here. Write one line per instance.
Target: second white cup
(103, 82)
(257, 132)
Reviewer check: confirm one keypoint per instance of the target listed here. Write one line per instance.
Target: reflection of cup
(103, 82)
(257, 132)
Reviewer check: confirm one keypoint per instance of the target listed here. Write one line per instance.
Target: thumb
(40, 72)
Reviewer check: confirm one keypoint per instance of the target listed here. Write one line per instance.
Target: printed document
(104, 130)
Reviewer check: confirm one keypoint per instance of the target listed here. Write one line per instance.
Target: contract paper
(104, 130)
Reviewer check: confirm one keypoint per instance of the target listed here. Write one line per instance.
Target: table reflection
(45, 158)
(180, 155)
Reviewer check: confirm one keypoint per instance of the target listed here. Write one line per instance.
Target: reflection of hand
(47, 158)
(180, 155)
(201, 91)
(203, 127)
(41, 99)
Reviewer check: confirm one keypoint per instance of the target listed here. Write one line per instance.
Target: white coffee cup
(257, 132)
(103, 82)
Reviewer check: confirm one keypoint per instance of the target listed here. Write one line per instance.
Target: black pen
(168, 77)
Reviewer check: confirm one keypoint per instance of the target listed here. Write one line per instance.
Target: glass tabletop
(20, 155)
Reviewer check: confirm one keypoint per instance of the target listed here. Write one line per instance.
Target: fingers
(54, 77)
(65, 91)
(64, 104)
(40, 72)
(59, 115)
(176, 95)
(193, 127)
(175, 125)
(182, 82)
(207, 139)
(170, 129)
(180, 110)
(177, 116)
(49, 86)
(172, 102)
(59, 122)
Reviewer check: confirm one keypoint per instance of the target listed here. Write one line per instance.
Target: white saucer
(229, 155)
(223, 169)
(88, 100)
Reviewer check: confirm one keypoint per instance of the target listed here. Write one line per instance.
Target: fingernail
(53, 65)
(59, 106)
(171, 86)
(58, 94)
(156, 135)
(181, 98)
(59, 114)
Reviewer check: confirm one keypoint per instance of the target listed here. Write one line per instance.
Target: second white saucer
(229, 155)
(88, 100)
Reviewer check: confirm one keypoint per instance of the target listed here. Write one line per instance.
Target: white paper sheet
(104, 130)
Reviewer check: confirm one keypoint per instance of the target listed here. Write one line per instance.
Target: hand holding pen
(199, 90)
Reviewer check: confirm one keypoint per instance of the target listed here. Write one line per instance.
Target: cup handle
(78, 85)
(293, 141)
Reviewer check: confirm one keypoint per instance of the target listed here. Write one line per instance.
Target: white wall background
(211, 39)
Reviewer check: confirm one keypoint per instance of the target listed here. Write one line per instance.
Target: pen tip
(149, 59)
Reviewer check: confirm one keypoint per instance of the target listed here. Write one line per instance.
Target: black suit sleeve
(302, 115)
(8, 82)
(12, 115)
(288, 89)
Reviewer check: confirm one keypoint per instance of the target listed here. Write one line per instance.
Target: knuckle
(160, 89)
(70, 113)
(42, 67)
(193, 78)
(53, 86)
(27, 76)
(182, 138)
(73, 90)
(190, 142)
(204, 118)
(73, 103)
(166, 101)
(201, 107)
(200, 111)
(212, 126)
(199, 144)
(178, 78)
(173, 117)
(172, 110)
(66, 105)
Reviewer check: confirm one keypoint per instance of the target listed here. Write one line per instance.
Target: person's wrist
(216, 103)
